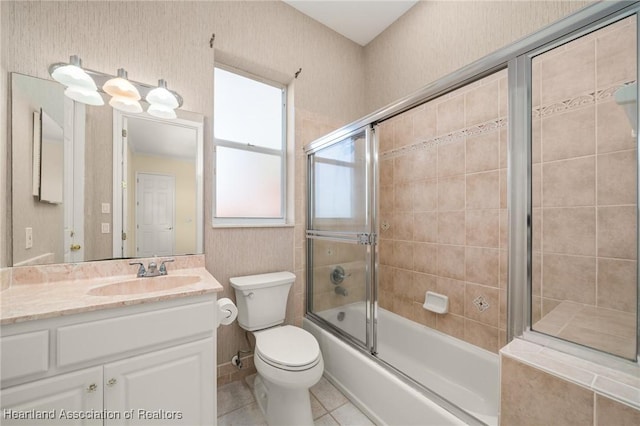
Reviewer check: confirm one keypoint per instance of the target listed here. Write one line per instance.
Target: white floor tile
(233, 396)
(325, 420)
(249, 415)
(330, 397)
(349, 415)
(317, 410)
(250, 380)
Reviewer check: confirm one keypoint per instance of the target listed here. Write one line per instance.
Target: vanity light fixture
(80, 86)
(125, 96)
(162, 102)
(84, 84)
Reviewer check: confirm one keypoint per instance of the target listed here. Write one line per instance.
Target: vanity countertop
(49, 297)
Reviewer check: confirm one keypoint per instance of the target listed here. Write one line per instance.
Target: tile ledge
(609, 382)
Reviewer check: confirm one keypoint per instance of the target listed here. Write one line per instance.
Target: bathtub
(461, 373)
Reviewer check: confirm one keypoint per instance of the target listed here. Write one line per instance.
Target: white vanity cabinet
(147, 364)
(79, 391)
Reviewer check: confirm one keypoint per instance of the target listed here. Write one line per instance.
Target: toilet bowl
(287, 358)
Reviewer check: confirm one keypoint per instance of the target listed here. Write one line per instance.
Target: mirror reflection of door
(155, 207)
(159, 188)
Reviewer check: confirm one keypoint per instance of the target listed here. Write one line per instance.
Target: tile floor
(237, 406)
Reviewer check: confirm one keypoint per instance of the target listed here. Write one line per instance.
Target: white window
(250, 150)
(334, 182)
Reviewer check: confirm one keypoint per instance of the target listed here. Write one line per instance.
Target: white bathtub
(459, 372)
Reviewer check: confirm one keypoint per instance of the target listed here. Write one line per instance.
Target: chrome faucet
(152, 270)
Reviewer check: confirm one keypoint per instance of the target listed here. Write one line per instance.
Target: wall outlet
(28, 233)
(106, 208)
(105, 228)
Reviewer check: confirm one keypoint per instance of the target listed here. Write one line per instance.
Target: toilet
(287, 358)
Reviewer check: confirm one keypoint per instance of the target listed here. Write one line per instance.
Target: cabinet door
(64, 400)
(174, 386)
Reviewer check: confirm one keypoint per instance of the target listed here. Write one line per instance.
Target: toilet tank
(262, 299)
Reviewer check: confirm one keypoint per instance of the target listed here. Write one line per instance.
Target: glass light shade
(161, 111)
(161, 96)
(72, 75)
(121, 87)
(86, 96)
(125, 104)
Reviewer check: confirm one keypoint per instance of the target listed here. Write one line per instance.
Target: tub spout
(341, 290)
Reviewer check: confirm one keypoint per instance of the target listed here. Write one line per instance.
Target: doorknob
(75, 247)
(170, 228)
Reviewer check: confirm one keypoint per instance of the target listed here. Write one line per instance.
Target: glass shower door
(340, 238)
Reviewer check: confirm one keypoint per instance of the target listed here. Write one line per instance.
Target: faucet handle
(163, 268)
(141, 270)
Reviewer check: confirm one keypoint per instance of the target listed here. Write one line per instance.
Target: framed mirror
(100, 216)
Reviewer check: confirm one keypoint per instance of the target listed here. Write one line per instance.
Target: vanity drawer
(97, 339)
(24, 354)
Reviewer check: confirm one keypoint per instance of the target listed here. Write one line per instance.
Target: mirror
(131, 185)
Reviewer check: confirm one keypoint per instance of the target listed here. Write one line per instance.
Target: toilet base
(283, 406)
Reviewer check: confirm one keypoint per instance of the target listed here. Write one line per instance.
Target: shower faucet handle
(338, 275)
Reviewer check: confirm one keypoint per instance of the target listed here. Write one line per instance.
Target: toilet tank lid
(251, 282)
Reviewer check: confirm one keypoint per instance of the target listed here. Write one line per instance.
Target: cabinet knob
(112, 382)
(75, 247)
(92, 387)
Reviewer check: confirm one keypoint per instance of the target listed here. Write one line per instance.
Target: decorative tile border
(578, 101)
(475, 130)
(489, 126)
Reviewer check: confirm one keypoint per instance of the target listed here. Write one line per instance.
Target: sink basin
(144, 285)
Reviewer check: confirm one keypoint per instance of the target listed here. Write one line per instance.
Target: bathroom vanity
(108, 357)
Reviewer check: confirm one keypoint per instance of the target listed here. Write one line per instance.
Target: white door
(155, 211)
(77, 392)
(177, 384)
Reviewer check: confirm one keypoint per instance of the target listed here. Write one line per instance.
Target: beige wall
(435, 38)
(98, 182)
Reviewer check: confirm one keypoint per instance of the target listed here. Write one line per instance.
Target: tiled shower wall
(443, 217)
(584, 188)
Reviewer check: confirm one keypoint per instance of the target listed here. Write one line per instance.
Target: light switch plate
(105, 228)
(106, 208)
(28, 233)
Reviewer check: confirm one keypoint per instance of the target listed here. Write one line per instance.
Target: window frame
(242, 221)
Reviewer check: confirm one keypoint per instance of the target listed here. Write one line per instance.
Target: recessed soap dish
(435, 302)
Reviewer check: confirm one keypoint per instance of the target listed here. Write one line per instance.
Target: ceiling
(161, 139)
(358, 20)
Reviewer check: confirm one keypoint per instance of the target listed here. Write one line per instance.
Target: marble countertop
(52, 298)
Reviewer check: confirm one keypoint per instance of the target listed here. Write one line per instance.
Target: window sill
(252, 225)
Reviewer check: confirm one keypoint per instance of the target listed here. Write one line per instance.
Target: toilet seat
(288, 348)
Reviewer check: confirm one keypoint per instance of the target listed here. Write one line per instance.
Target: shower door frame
(368, 238)
(520, 180)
